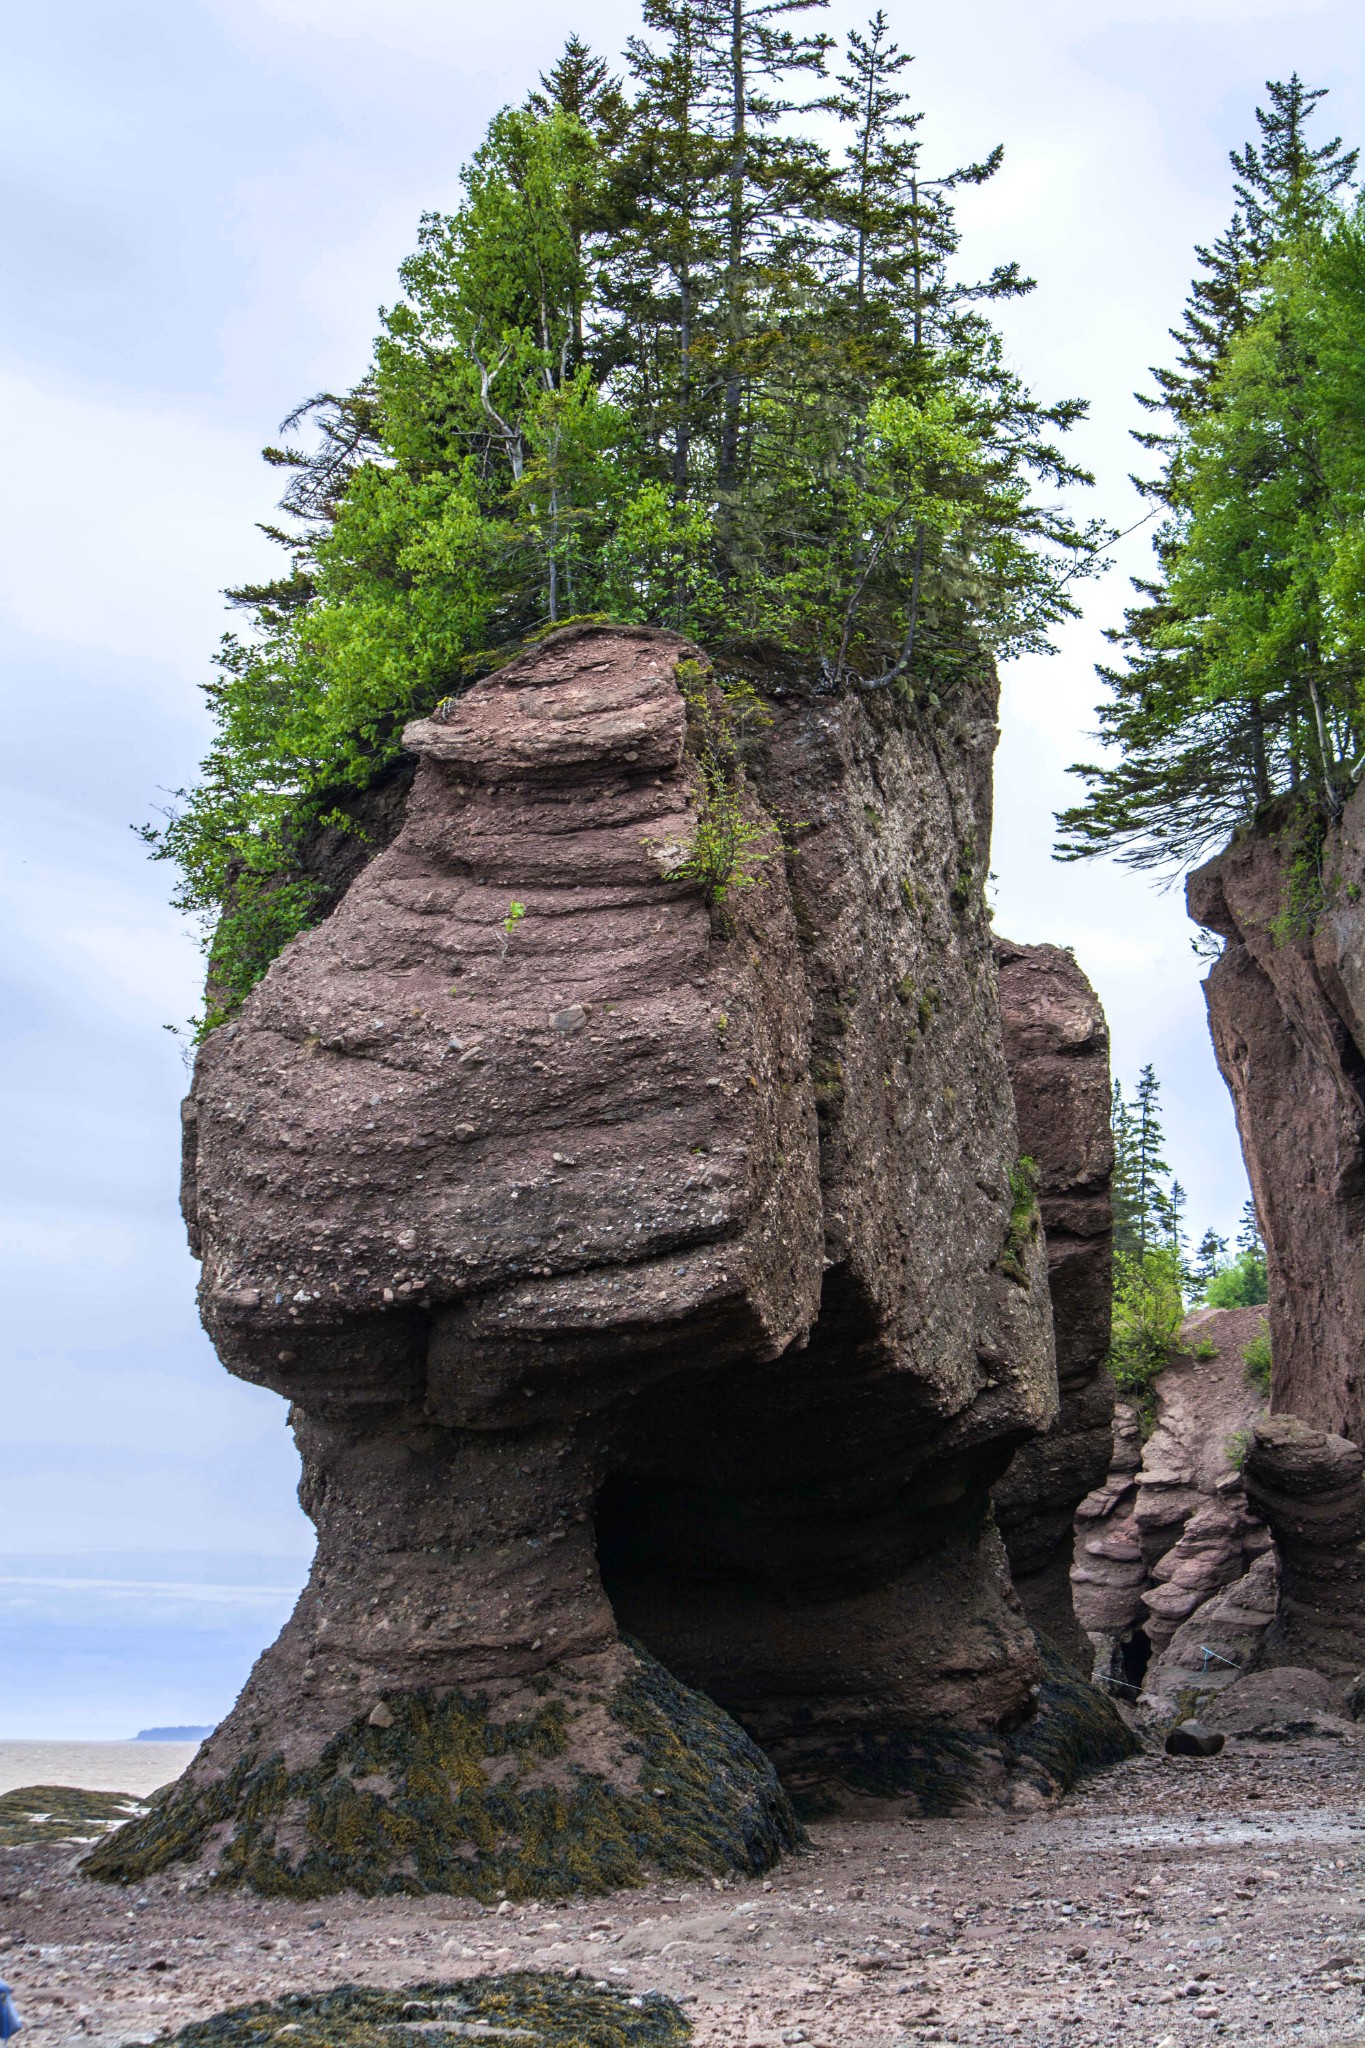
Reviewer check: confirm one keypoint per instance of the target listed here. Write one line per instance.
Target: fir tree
(1240, 682)
(1149, 1166)
(664, 362)
(1209, 1258)
(1123, 1184)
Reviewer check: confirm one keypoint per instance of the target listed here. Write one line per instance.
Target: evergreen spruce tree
(1149, 1167)
(1233, 690)
(664, 362)
(1209, 1259)
(1124, 1182)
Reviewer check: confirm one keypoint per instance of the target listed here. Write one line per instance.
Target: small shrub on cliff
(726, 844)
(1025, 1222)
(1256, 1360)
(1149, 1307)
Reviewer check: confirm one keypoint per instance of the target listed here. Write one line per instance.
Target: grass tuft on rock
(523, 2009)
(446, 1799)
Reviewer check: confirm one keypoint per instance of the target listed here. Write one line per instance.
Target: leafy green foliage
(1149, 1307)
(1256, 1360)
(1244, 653)
(668, 361)
(727, 841)
(1241, 1282)
(1025, 1221)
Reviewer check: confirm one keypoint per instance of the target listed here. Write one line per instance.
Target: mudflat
(1166, 1903)
(139, 1767)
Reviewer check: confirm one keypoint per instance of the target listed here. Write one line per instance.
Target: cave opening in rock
(1135, 1654)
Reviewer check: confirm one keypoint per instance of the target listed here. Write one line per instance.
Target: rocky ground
(1165, 1902)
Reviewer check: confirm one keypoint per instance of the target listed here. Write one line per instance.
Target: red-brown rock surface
(1174, 1580)
(626, 1272)
(1287, 1015)
(1308, 1486)
(1057, 1049)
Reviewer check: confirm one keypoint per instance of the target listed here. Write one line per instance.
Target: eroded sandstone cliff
(1175, 1578)
(647, 1284)
(1057, 1050)
(1287, 1013)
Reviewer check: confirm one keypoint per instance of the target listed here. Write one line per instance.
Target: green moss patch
(61, 1813)
(940, 1770)
(524, 2009)
(1077, 1728)
(446, 1799)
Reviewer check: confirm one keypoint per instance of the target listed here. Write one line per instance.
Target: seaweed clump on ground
(59, 1813)
(446, 1799)
(1076, 1729)
(535, 2008)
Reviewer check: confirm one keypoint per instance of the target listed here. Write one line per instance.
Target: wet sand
(93, 1766)
(1167, 1903)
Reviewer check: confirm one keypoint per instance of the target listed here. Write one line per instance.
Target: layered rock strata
(1057, 1051)
(648, 1285)
(1286, 1004)
(1307, 1485)
(1174, 1577)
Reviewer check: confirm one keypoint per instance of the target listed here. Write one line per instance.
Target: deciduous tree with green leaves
(668, 361)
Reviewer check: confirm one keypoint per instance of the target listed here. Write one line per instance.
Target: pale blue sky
(205, 202)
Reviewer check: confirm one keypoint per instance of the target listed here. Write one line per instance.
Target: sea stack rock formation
(1057, 1050)
(1286, 1005)
(655, 1288)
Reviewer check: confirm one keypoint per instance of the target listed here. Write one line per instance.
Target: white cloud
(121, 519)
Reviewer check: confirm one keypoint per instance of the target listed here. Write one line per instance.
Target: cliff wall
(1287, 1016)
(1057, 1050)
(1175, 1578)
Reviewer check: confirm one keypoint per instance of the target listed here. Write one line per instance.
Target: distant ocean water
(140, 1767)
(97, 1645)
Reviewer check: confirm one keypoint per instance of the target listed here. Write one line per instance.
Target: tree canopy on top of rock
(671, 361)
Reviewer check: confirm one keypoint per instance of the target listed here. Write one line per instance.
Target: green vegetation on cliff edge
(1245, 652)
(672, 360)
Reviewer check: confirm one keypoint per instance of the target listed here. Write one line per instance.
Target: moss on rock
(1077, 1728)
(60, 1813)
(533, 2008)
(446, 1798)
(940, 1770)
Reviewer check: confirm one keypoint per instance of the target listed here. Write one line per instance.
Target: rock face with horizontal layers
(1287, 1013)
(1057, 1050)
(1174, 1577)
(648, 1285)
(1308, 1486)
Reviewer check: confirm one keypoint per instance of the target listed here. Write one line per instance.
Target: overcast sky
(206, 203)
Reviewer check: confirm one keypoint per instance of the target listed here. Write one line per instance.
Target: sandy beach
(94, 1766)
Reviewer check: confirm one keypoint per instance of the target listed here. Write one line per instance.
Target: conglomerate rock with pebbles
(649, 1284)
